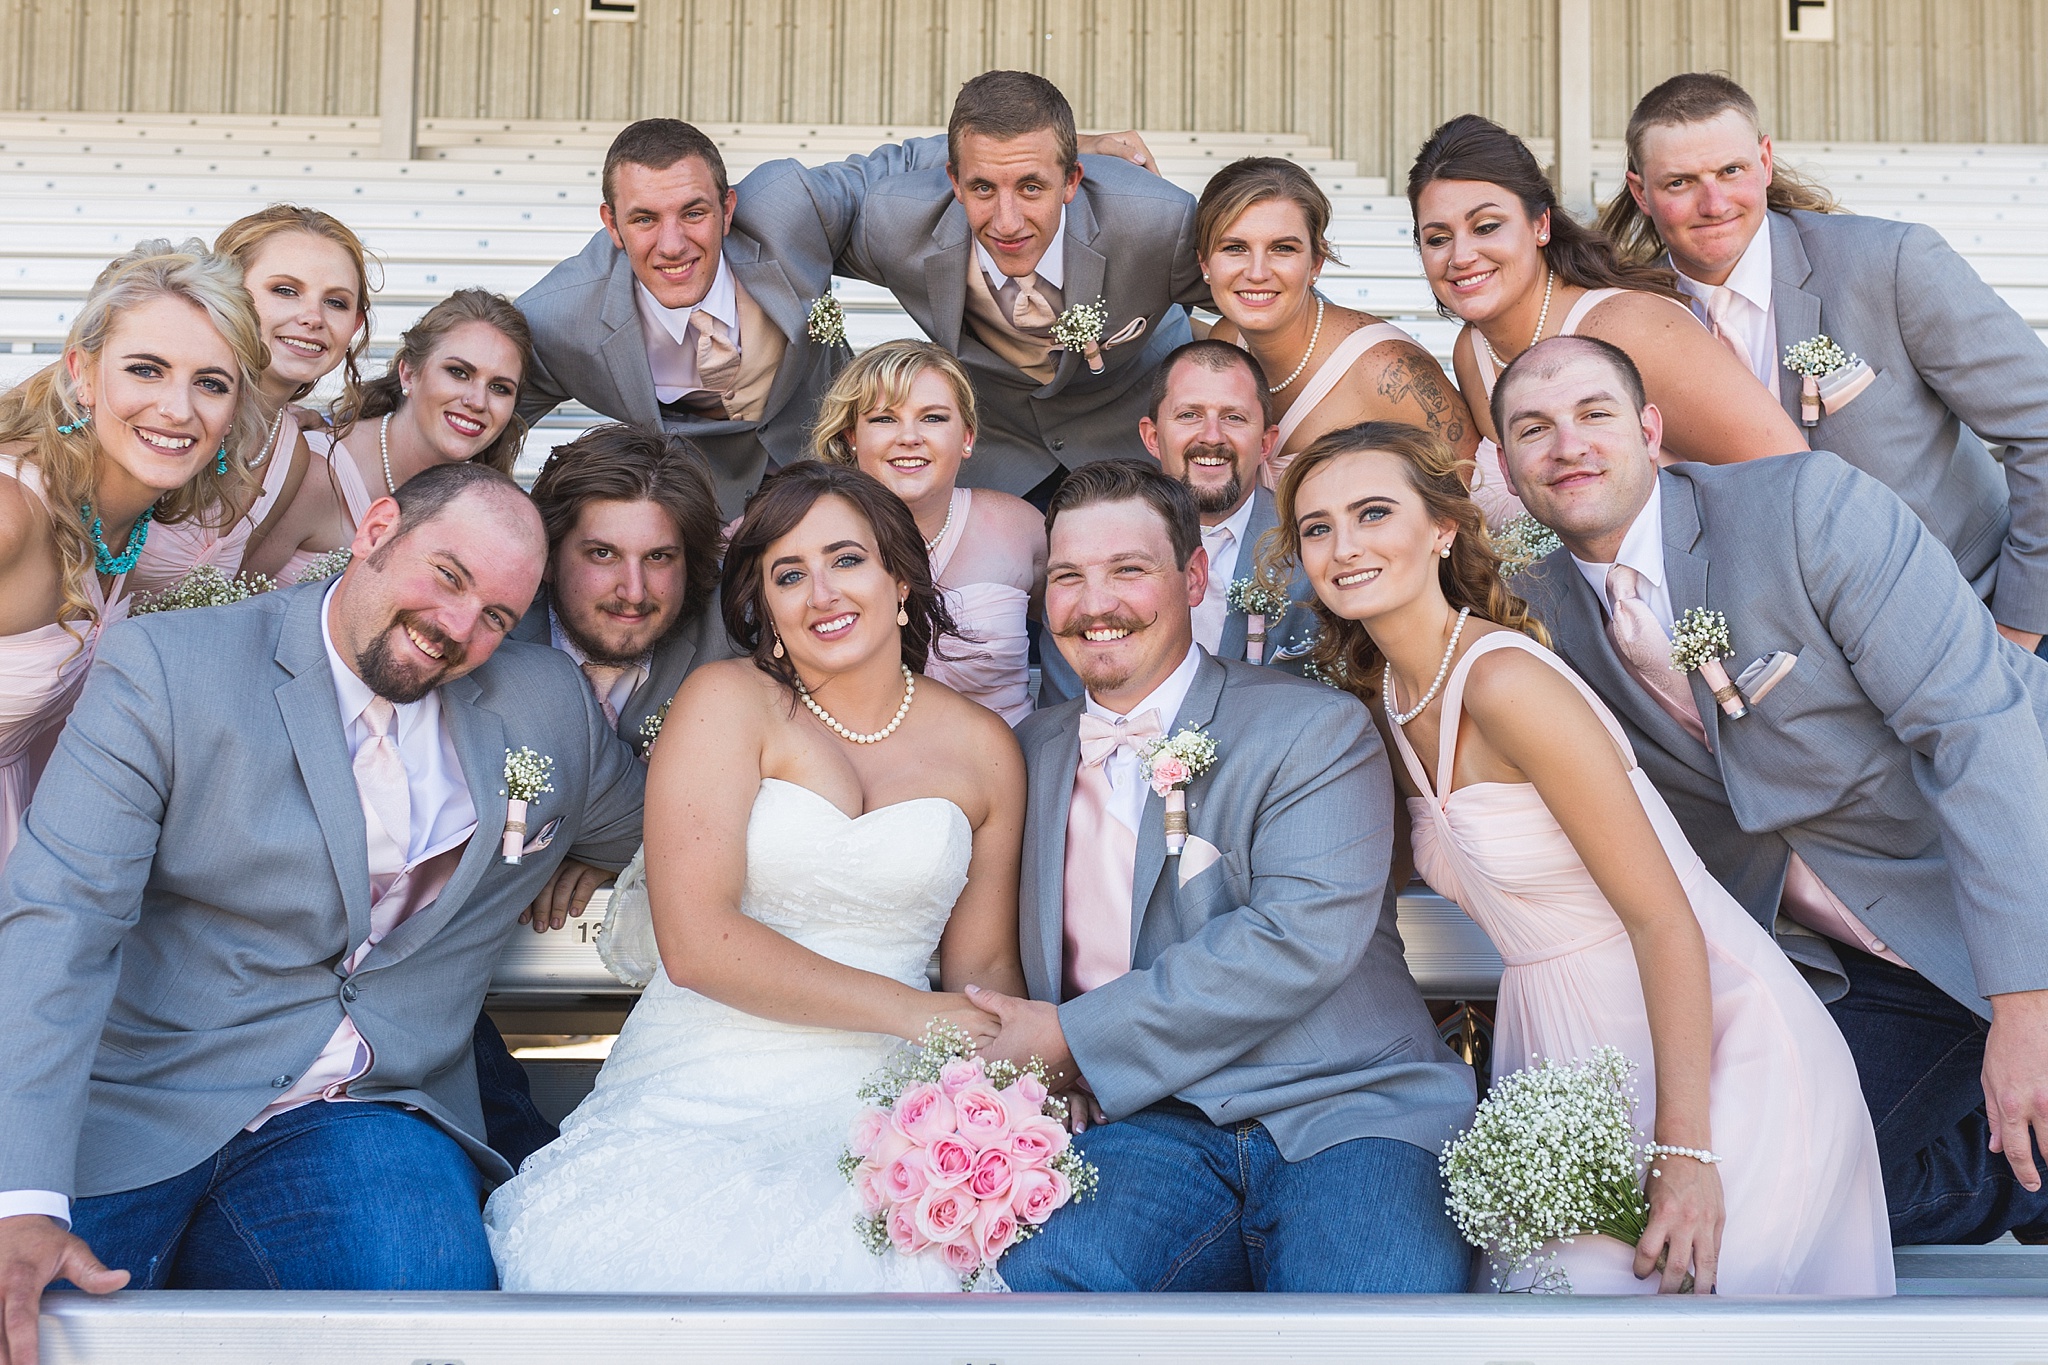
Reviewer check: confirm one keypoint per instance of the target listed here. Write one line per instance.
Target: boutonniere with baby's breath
(1523, 542)
(1170, 765)
(1699, 641)
(203, 586)
(326, 566)
(1259, 605)
(825, 321)
(1814, 360)
(526, 781)
(1079, 328)
(650, 729)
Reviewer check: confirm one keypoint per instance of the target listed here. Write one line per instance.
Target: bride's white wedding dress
(705, 1159)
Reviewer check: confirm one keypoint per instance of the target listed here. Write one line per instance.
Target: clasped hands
(1008, 1028)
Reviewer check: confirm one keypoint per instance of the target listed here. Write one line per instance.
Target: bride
(819, 819)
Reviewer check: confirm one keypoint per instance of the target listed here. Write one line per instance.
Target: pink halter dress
(355, 496)
(992, 664)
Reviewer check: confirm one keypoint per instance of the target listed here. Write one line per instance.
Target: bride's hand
(950, 1007)
(1686, 1215)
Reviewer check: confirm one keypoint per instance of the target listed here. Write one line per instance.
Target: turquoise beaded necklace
(104, 559)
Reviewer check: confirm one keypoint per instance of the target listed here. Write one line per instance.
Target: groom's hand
(33, 1252)
(1029, 1028)
(567, 893)
(2016, 1080)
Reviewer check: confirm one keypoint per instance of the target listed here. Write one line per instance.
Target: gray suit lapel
(1685, 561)
(1051, 795)
(625, 346)
(1196, 711)
(945, 276)
(1796, 312)
(312, 718)
(1085, 272)
(770, 288)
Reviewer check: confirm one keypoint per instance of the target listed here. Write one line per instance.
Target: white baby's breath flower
(326, 566)
(526, 774)
(1817, 357)
(1699, 637)
(202, 586)
(1522, 542)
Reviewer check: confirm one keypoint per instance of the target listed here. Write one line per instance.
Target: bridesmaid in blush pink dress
(1528, 809)
(904, 412)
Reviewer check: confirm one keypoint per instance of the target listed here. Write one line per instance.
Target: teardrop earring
(902, 615)
(777, 651)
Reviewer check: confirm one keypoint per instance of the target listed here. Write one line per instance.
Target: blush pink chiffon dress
(174, 551)
(992, 663)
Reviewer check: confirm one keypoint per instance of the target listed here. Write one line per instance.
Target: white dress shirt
(671, 357)
(1642, 549)
(1126, 785)
(1051, 267)
(628, 682)
(1748, 316)
(1222, 541)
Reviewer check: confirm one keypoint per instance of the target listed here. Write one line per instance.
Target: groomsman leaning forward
(1017, 239)
(255, 909)
(691, 309)
(1769, 263)
(1238, 1009)
(1873, 787)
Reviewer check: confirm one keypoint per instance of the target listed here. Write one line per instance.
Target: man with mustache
(256, 907)
(1239, 1008)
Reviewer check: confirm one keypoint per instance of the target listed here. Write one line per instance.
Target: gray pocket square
(544, 838)
(1765, 674)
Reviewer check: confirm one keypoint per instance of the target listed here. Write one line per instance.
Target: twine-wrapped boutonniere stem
(526, 779)
(1699, 642)
(1170, 765)
(1814, 360)
(1260, 605)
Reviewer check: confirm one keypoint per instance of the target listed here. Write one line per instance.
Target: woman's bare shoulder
(1008, 513)
(1224, 330)
(1632, 312)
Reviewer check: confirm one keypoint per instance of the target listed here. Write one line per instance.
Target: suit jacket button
(279, 1082)
(349, 992)
(1059, 445)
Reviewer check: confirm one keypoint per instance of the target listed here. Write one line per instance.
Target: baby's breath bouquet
(326, 566)
(1522, 542)
(203, 586)
(959, 1158)
(1260, 604)
(1553, 1153)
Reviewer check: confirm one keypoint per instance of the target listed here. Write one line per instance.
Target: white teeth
(420, 643)
(177, 444)
(1104, 634)
(302, 346)
(1211, 461)
(467, 426)
(1352, 580)
(835, 625)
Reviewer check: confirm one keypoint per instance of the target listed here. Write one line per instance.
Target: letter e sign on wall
(1806, 21)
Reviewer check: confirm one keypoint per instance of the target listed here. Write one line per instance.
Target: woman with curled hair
(150, 419)
(308, 276)
(1526, 806)
(448, 397)
(904, 412)
(819, 820)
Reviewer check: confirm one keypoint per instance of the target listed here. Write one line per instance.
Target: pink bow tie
(1101, 738)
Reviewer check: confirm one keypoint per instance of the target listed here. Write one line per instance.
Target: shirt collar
(1051, 267)
(352, 694)
(1165, 698)
(722, 302)
(1236, 522)
(1642, 549)
(1751, 277)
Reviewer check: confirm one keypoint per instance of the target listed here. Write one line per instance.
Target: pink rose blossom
(903, 1233)
(1168, 772)
(980, 1114)
(956, 1075)
(944, 1215)
(993, 1170)
(867, 1183)
(1035, 1194)
(995, 1230)
(908, 1176)
(867, 1131)
(1024, 1098)
(923, 1113)
(890, 1145)
(949, 1161)
(963, 1257)
(1038, 1140)
(1029, 1088)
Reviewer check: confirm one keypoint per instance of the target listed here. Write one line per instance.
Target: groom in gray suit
(1239, 1010)
(1881, 802)
(255, 908)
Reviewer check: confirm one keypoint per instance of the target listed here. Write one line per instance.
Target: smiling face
(1211, 434)
(1479, 248)
(1703, 184)
(1576, 451)
(416, 610)
(1369, 545)
(461, 396)
(163, 393)
(1120, 606)
(914, 447)
(618, 579)
(671, 223)
(829, 596)
(1263, 270)
(1014, 190)
(305, 290)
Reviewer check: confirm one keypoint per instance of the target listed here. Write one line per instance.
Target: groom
(255, 908)
(1884, 803)
(1241, 1011)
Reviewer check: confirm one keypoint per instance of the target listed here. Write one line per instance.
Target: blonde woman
(148, 421)
(904, 412)
(448, 397)
(308, 276)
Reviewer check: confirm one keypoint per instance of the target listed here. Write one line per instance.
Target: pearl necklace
(1442, 670)
(269, 442)
(1549, 283)
(945, 526)
(384, 450)
(909, 691)
(1312, 337)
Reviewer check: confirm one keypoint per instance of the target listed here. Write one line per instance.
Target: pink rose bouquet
(959, 1159)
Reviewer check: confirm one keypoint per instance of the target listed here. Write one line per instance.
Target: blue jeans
(1187, 1206)
(1920, 1056)
(325, 1196)
(513, 1127)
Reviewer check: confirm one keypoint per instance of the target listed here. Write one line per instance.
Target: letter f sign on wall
(1807, 21)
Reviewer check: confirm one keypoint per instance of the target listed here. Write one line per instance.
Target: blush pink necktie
(387, 800)
(1720, 305)
(603, 678)
(718, 360)
(1646, 651)
(1025, 303)
(1102, 858)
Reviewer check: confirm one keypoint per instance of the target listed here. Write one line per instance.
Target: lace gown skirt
(706, 1158)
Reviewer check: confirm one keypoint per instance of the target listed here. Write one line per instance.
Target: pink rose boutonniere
(1170, 765)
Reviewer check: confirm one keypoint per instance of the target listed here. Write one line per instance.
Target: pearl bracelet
(1699, 1154)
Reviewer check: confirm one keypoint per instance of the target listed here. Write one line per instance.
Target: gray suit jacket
(1288, 640)
(588, 343)
(700, 642)
(1902, 757)
(1130, 241)
(193, 872)
(1272, 986)
(1951, 358)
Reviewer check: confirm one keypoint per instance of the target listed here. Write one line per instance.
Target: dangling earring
(84, 421)
(220, 460)
(902, 614)
(777, 651)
